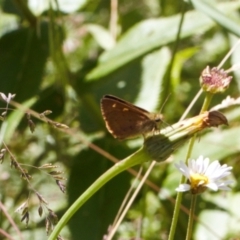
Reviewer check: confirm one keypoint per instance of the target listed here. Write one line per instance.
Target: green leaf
(23, 56)
(151, 34)
(153, 83)
(217, 16)
(101, 35)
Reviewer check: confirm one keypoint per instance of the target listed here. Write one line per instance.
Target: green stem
(176, 45)
(190, 149)
(191, 216)
(175, 215)
(158, 147)
(179, 195)
(206, 102)
(135, 159)
(205, 106)
(26, 12)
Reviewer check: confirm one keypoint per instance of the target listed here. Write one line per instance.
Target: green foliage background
(66, 61)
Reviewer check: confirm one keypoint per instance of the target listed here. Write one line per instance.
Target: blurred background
(64, 56)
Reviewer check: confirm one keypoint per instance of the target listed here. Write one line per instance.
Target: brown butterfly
(125, 120)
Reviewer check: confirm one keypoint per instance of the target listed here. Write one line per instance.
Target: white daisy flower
(202, 175)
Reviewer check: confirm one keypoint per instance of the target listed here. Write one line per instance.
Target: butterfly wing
(123, 119)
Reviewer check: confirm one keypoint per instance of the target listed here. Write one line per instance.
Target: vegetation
(57, 62)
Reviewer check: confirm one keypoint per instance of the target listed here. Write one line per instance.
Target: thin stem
(175, 215)
(191, 217)
(114, 18)
(5, 234)
(205, 106)
(190, 148)
(179, 195)
(111, 234)
(176, 42)
(228, 54)
(206, 102)
(191, 104)
(126, 198)
(137, 158)
(29, 16)
(11, 221)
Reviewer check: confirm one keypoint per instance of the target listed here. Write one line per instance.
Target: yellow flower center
(198, 183)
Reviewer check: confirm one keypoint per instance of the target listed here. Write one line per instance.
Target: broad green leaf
(151, 34)
(153, 83)
(101, 35)
(24, 53)
(217, 16)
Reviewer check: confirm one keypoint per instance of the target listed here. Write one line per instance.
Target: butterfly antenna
(164, 103)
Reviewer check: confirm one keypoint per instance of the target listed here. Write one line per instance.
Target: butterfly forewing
(125, 120)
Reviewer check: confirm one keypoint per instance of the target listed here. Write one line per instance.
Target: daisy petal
(202, 175)
(183, 187)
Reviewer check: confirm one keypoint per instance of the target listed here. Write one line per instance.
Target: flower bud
(214, 80)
